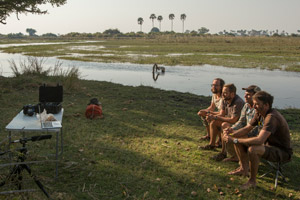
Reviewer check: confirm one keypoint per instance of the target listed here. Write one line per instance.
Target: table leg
(61, 141)
(56, 156)
(8, 145)
(9, 140)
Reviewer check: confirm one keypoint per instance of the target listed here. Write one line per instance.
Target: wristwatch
(235, 141)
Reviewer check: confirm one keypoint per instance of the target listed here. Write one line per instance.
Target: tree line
(115, 33)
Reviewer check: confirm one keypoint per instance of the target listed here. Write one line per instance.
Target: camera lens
(30, 111)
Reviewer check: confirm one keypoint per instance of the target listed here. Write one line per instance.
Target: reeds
(35, 66)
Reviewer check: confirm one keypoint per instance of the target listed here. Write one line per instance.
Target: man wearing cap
(232, 105)
(215, 105)
(247, 114)
(273, 141)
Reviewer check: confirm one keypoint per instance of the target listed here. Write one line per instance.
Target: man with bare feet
(232, 105)
(247, 114)
(272, 143)
(215, 105)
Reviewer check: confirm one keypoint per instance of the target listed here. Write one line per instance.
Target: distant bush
(155, 30)
(15, 35)
(112, 32)
(49, 35)
(276, 35)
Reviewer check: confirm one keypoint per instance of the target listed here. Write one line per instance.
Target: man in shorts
(215, 105)
(232, 105)
(273, 142)
(247, 115)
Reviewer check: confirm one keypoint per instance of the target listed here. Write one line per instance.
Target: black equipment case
(51, 98)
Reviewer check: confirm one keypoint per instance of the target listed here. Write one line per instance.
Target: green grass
(241, 52)
(146, 147)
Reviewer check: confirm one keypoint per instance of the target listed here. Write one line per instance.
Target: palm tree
(183, 17)
(140, 22)
(171, 17)
(160, 18)
(152, 17)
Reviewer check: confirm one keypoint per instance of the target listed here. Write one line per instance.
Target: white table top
(23, 122)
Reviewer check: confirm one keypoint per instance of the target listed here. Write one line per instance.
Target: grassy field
(242, 52)
(146, 147)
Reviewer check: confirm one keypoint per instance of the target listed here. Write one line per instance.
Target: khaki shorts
(204, 121)
(275, 154)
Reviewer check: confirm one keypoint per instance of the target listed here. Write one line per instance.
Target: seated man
(247, 114)
(232, 105)
(215, 105)
(273, 142)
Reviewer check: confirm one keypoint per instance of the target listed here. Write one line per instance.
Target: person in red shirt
(94, 109)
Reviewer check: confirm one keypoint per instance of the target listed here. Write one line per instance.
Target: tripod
(15, 174)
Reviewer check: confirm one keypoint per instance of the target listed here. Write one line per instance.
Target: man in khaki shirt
(231, 110)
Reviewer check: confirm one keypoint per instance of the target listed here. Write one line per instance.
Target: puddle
(219, 54)
(180, 54)
(90, 55)
(141, 55)
(87, 48)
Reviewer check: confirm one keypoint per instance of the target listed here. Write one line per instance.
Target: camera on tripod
(15, 175)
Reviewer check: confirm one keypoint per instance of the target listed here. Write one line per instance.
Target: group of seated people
(247, 130)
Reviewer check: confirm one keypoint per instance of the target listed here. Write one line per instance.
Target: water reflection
(195, 79)
(156, 71)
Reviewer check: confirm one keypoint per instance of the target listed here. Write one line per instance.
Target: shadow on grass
(117, 173)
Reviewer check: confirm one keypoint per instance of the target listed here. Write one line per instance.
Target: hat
(94, 101)
(252, 88)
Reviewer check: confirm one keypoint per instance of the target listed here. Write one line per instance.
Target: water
(284, 86)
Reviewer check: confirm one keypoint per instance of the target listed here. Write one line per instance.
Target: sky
(91, 16)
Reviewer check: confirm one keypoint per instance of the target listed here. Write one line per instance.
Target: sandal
(208, 147)
(219, 157)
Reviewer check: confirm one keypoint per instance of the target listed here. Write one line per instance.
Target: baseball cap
(252, 88)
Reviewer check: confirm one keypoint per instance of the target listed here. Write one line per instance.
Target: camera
(29, 109)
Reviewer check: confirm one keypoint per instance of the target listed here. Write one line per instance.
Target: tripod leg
(5, 180)
(14, 173)
(20, 178)
(39, 184)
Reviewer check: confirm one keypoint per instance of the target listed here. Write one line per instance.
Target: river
(284, 86)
